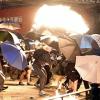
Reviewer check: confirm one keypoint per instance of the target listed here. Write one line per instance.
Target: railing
(69, 94)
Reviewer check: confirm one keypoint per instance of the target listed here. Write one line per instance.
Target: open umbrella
(89, 67)
(50, 41)
(69, 48)
(96, 37)
(87, 44)
(7, 35)
(14, 55)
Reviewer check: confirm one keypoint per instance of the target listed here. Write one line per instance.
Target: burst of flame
(61, 17)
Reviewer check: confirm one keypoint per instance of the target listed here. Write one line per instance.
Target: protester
(95, 91)
(2, 76)
(41, 57)
(27, 71)
(71, 74)
(86, 85)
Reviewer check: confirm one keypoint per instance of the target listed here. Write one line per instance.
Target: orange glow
(61, 17)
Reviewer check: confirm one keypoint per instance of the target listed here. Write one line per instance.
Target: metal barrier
(68, 94)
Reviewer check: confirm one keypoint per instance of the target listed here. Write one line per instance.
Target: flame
(60, 17)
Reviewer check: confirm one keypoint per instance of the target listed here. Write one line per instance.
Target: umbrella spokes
(8, 36)
(69, 48)
(88, 67)
(67, 45)
(14, 55)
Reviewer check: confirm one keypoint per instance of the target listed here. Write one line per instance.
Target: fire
(60, 17)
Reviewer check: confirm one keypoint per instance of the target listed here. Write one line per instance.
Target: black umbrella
(8, 36)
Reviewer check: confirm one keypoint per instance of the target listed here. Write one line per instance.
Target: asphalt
(25, 92)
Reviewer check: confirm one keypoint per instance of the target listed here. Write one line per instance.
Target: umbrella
(49, 41)
(14, 55)
(96, 37)
(7, 35)
(86, 43)
(69, 48)
(89, 67)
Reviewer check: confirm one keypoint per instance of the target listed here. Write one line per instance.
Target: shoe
(37, 85)
(3, 88)
(21, 83)
(42, 93)
(29, 84)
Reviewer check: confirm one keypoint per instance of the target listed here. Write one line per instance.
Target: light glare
(61, 17)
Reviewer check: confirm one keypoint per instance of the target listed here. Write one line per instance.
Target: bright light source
(60, 17)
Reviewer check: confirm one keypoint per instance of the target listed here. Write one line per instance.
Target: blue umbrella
(89, 45)
(14, 55)
(86, 41)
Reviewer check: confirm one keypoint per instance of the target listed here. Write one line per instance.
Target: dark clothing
(95, 92)
(86, 83)
(41, 72)
(42, 55)
(41, 58)
(49, 75)
(2, 78)
(86, 86)
(70, 71)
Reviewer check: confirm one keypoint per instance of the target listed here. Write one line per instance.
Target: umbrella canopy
(50, 42)
(69, 48)
(14, 55)
(89, 67)
(7, 35)
(86, 43)
(96, 37)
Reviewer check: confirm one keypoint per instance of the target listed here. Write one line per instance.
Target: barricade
(69, 94)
